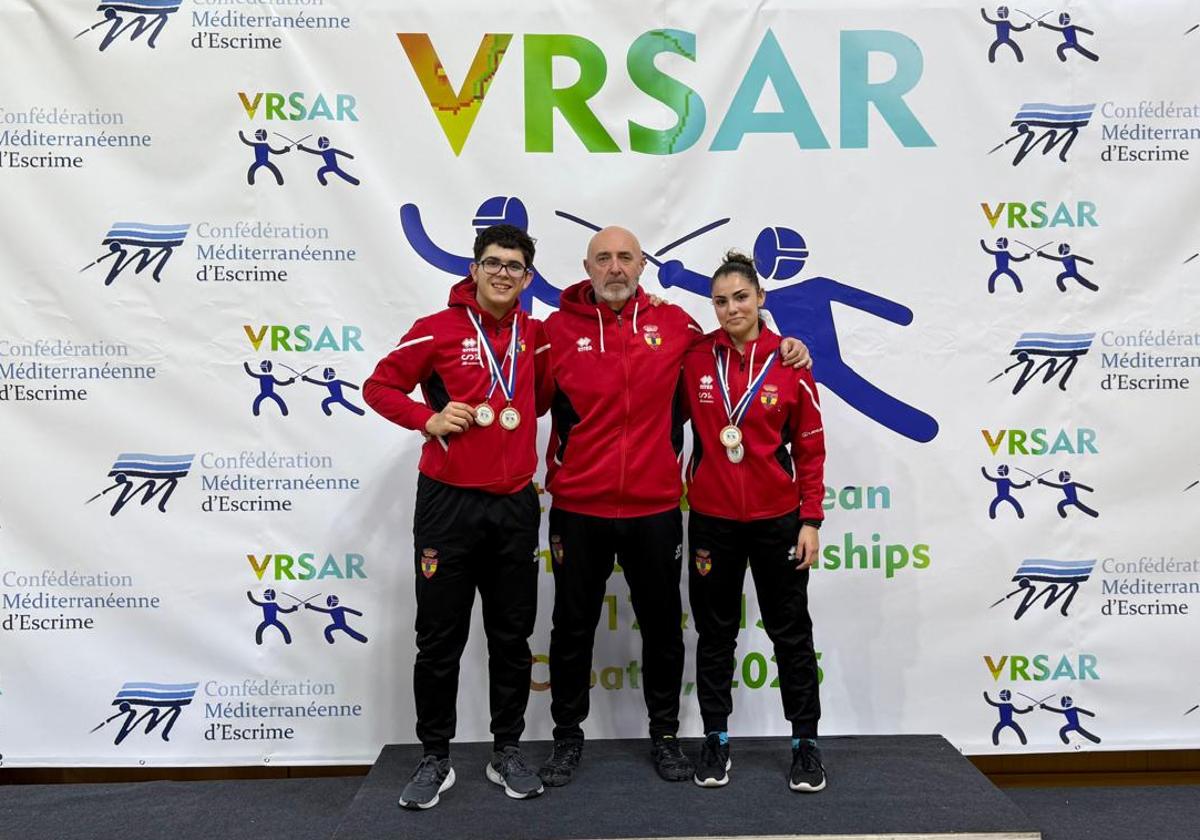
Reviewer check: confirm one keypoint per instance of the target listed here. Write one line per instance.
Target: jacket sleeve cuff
(816, 523)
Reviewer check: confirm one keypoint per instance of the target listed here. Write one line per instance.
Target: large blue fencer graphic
(803, 309)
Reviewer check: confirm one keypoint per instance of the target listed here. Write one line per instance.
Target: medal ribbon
(735, 413)
(507, 384)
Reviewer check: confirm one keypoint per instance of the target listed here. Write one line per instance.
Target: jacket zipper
(503, 449)
(625, 419)
(741, 474)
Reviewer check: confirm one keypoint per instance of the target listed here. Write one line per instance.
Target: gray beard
(613, 296)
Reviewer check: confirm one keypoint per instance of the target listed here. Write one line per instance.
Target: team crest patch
(556, 548)
(769, 396)
(703, 561)
(650, 334)
(429, 562)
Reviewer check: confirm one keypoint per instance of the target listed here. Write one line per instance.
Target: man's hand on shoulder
(793, 353)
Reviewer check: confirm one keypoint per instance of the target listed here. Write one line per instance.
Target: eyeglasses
(493, 266)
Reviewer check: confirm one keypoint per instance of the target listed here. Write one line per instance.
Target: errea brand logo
(470, 351)
(706, 389)
(583, 345)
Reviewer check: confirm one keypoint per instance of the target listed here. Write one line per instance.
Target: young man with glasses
(476, 521)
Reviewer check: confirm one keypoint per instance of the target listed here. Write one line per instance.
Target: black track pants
(467, 540)
(649, 549)
(723, 547)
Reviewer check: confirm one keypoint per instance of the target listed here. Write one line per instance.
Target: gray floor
(618, 795)
(881, 793)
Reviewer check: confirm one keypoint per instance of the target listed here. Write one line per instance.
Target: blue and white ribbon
(508, 384)
(735, 413)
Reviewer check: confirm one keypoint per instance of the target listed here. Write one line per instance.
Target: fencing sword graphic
(1189, 32)
(1031, 17)
(1031, 475)
(1032, 249)
(681, 240)
(1197, 706)
(1190, 486)
(1005, 143)
(299, 373)
(1197, 254)
(109, 20)
(297, 600)
(93, 262)
(290, 140)
(1037, 702)
(1005, 598)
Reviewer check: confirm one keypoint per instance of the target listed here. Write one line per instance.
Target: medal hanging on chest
(731, 434)
(485, 415)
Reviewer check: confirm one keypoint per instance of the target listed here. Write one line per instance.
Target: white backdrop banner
(217, 216)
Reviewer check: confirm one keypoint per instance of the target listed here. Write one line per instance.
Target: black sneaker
(432, 776)
(712, 771)
(670, 762)
(508, 768)
(808, 774)
(560, 767)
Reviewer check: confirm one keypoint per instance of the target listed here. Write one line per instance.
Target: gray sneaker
(508, 769)
(432, 777)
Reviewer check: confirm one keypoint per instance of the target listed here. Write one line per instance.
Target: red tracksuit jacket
(441, 354)
(769, 481)
(615, 444)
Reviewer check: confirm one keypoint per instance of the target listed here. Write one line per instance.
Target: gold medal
(731, 437)
(735, 453)
(510, 418)
(484, 415)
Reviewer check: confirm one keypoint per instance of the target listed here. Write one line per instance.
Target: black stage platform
(312, 808)
(897, 787)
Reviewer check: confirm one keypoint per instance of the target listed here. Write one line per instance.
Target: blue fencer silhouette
(1004, 30)
(1006, 709)
(496, 210)
(1070, 37)
(337, 619)
(336, 397)
(1070, 494)
(805, 310)
(270, 610)
(1003, 258)
(1072, 712)
(266, 386)
(1004, 488)
(1070, 263)
(329, 155)
(262, 155)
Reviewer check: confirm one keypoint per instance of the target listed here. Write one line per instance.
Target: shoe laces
(512, 762)
(670, 750)
(809, 756)
(565, 751)
(428, 770)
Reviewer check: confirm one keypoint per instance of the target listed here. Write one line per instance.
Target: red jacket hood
(765, 343)
(463, 293)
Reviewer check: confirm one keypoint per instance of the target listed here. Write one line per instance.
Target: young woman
(752, 500)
